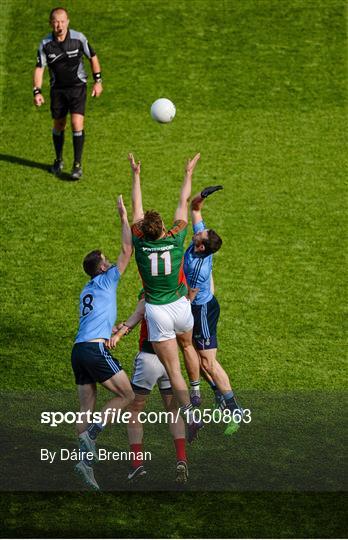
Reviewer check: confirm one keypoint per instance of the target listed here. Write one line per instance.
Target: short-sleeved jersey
(160, 264)
(198, 270)
(65, 59)
(98, 306)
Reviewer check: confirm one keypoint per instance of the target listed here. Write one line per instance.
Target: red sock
(180, 449)
(136, 448)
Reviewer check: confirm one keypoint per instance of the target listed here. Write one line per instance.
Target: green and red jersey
(144, 343)
(160, 264)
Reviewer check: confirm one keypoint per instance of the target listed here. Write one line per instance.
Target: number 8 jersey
(98, 306)
(160, 264)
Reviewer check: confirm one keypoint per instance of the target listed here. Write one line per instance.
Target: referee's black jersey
(65, 58)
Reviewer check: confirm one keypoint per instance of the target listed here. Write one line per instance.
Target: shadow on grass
(34, 165)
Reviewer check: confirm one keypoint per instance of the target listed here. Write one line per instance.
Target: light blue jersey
(98, 306)
(197, 269)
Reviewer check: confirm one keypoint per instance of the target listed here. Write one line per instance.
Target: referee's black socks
(58, 142)
(78, 140)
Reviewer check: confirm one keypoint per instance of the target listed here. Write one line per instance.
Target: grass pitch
(260, 89)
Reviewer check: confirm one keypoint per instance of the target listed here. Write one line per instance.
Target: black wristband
(36, 91)
(97, 76)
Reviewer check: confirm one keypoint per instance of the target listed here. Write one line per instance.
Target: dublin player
(205, 307)
(91, 362)
(159, 256)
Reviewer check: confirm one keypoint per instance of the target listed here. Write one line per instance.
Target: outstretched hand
(122, 210)
(209, 190)
(112, 342)
(191, 163)
(134, 166)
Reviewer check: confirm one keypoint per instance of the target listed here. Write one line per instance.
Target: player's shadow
(33, 164)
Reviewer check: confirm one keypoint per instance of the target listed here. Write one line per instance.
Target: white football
(163, 110)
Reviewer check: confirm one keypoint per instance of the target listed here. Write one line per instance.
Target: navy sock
(78, 140)
(230, 401)
(94, 430)
(58, 142)
(186, 412)
(195, 386)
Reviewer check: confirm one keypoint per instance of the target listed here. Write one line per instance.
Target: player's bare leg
(210, 364)
(118, 384)
(192, 365)
(177, 429)
(221, 379)
(77, 124)
(87, 396)
(58, 142)
(219, 400)
(135, 432)
(167, 352)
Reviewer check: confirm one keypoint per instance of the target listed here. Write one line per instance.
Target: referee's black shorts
(206, 317)
(92, 362)
(71, 99)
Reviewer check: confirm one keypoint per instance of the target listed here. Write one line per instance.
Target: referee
(62, 51)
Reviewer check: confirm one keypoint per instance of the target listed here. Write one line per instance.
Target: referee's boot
(57, 167)
(76, 172)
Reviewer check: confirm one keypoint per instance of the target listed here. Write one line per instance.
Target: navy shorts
(206, 317)
(92, 362)
(64, 100)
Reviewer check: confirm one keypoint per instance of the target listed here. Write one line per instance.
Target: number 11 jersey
(160, 264)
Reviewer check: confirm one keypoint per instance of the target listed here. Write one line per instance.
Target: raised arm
(96, 71)
(127, 248)
(137, 201)
(198, 201)
(185, 194)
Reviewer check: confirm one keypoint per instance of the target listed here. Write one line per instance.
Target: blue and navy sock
(218, 395)
(230, 401)
(95, 429)
(186, 412)
(195, 386)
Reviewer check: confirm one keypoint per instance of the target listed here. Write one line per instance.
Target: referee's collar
(66, 37)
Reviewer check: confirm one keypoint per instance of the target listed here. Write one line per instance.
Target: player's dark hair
(91, 263)
(151, 225)
(213, 243)
(57, 9)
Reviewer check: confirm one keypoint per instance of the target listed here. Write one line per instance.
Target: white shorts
(147, 371)
(167, 320)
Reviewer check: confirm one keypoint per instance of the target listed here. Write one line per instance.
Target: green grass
(261, 91)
